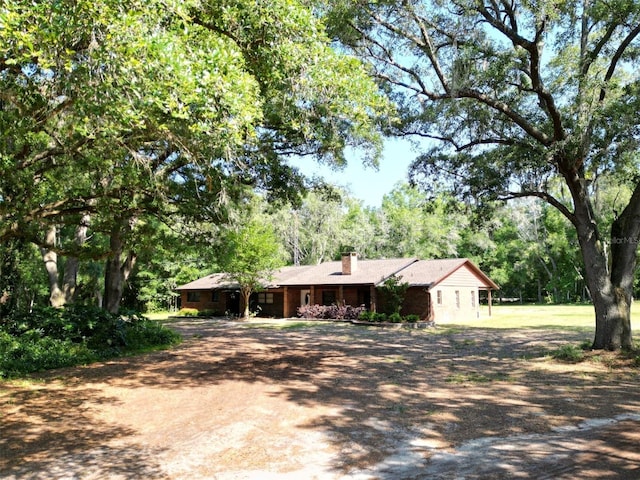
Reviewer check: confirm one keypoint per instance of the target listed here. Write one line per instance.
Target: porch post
(340, 295)
(312, 295)
(489, 297)
(285, 307)
(373, 298)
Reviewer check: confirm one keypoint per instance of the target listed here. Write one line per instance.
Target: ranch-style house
(439, 290)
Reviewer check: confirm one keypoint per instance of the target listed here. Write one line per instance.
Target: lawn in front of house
(577, 317)
(573, 316)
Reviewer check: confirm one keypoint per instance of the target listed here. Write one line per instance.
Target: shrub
(379, 317)
(366, 316)
(345, 312)
(394, 291)
(333, 312)
(312, 311)
(31, 352)
(568, 353)
(412, 318)
(145, 334)
(52, 338)
(188, 312)
(395, 318)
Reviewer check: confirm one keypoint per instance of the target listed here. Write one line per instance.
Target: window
(193, 296)
(473, 299)
(215, 296)
(439, 297)
(457, 298)
(328, 297)
(265, 298)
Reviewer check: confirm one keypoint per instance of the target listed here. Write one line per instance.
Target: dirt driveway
(330, 401)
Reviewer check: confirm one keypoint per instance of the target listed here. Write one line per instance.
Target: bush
(569, 353)
(32, 353)
(188, 312)
(333, 312)
(347, 312)
(51, 338)
(379, 317)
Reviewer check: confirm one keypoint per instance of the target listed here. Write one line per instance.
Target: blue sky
(366, 183)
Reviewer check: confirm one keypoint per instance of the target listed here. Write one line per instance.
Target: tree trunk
(611, 299)
(611, 288)
(117, 272)
(50, 258)
(245, 296)
(113, 282)
(614, 329)
(70, 278)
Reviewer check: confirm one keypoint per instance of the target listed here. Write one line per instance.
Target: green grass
(573, 317)
(159, 315)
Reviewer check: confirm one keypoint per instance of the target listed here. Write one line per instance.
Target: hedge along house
(439, 290)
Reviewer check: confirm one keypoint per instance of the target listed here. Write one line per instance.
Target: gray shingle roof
(431, 272)
(368, 272)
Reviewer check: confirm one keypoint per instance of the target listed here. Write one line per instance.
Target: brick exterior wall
(203, 300)
(417, 302)
(265, 309)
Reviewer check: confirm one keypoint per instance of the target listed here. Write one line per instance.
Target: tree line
(526, 247)
(126, 125)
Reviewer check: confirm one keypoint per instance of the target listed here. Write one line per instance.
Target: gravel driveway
(329, 401)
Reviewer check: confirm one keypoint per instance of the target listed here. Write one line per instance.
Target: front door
(305, 297)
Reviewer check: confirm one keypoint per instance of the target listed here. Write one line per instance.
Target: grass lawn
(539, 316)
(573, 317)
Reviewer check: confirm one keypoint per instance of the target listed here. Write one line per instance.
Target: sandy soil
(333, 401)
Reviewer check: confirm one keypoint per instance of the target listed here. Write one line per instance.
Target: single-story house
(439, 290)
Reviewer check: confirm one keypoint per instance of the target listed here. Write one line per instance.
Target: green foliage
(523, 100)
(379, 317)
(394, 292)
(31, 352)
(250, 254)
(51, 338)
(22, 278)
(569, 353)
(188, 312)
(116, 116)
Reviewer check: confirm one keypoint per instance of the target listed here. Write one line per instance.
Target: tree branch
(547, 197)
(616, 58)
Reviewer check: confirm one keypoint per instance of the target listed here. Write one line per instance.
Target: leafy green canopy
(512, 93)
(153, 107)
(522, 98)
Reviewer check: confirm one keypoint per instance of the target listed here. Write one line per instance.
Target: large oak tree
(522, 98)
(113, 111)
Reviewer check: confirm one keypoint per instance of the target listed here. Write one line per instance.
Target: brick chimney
(349, 263)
